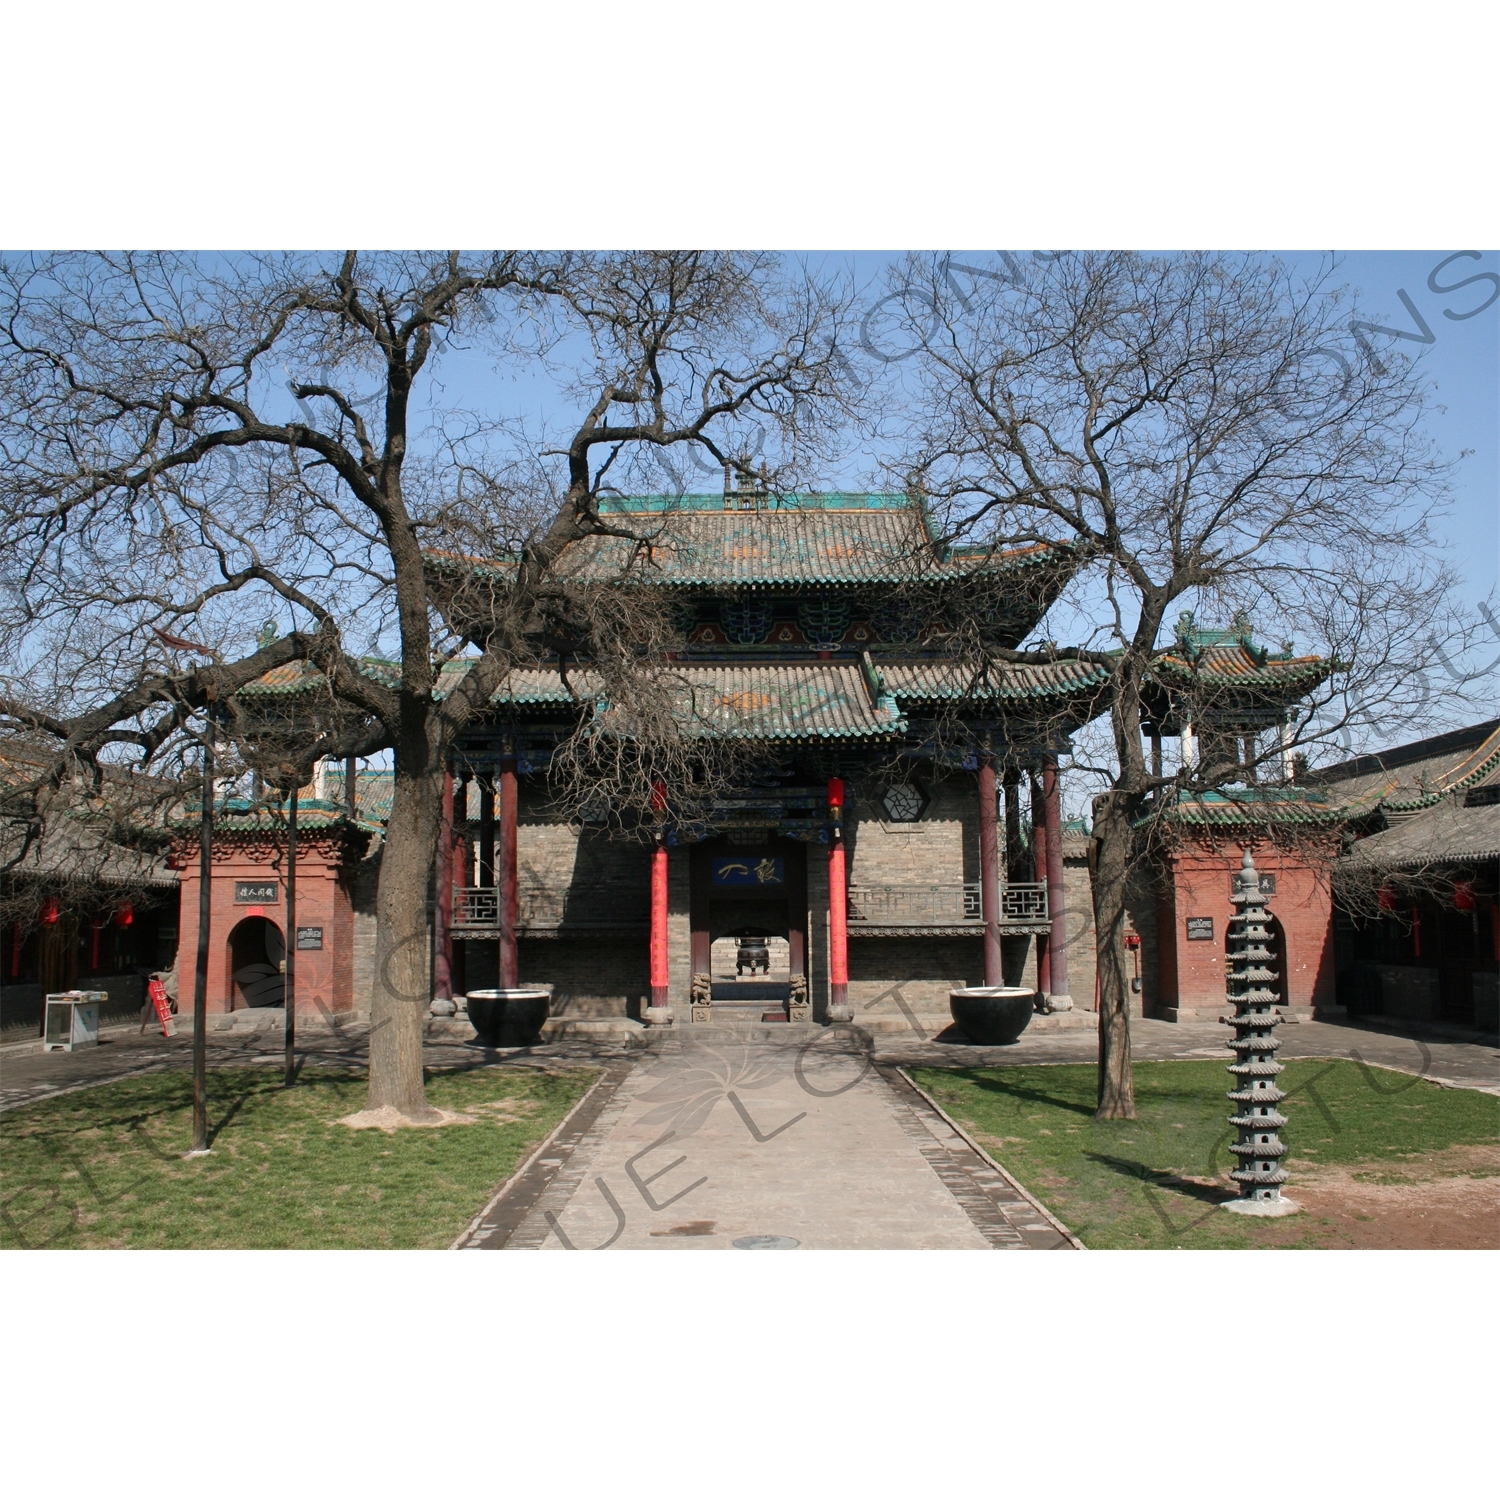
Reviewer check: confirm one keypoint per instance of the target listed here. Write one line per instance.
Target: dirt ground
(1445, 1200)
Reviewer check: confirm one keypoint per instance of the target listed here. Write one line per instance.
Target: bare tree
(1207, 434)
(197, 444)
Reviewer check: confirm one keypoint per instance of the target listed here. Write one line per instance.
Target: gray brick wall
(922, 969)
(590, 979)
(941, 848)
(362, 895)
(567, 875)
(679, 930)
(1078, 901)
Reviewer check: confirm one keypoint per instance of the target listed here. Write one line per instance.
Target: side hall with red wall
(247, 922)
(1193, 912)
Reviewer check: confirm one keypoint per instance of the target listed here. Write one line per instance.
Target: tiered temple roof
(820, 617)
(1222, 678)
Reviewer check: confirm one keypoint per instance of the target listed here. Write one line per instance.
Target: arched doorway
(1279, 958)
(256, 953)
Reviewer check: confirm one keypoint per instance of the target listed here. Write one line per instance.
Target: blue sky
(1462, 360)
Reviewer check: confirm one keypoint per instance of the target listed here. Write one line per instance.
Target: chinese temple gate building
(866, 846)
(896, 830)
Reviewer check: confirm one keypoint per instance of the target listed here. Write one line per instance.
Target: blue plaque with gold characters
(729, 870)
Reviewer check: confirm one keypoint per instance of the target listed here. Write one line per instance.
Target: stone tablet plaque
(257, 892)
(309, 938)
(1200, 929)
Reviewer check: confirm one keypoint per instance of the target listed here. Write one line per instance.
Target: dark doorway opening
(257, 952)
(750, 885)
(1279, 960)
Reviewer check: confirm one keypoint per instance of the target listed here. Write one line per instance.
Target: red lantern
(1387, 898)
(48, 913)
(835, 792)
(126, 915)
(1463, 895)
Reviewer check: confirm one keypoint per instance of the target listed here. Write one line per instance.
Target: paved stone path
(798, 1143)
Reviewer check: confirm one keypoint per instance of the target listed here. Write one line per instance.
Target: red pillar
(1039, 868)
(1057, 948)
(660, 972)
(838, 908)
(989, 872)
(509, 967)
(442, 907)
(660, 975)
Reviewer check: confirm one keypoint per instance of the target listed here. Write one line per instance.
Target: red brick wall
(1193, 972)
(325, 980)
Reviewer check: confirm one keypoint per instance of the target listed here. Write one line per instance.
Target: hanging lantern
(1387, 898)
(1463, 895)
(48, 913)
(125, 916)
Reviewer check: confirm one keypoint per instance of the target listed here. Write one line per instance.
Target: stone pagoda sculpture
(1259, 1148)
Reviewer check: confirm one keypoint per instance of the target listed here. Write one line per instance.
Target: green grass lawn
(103, 1168)
(1155, 1182)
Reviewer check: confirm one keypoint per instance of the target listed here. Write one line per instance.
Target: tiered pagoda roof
(826, 617)
(1223, 679)
(789, 541)
(801, 572)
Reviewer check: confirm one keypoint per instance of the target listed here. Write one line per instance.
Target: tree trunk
(1112, 833)
(403, 984)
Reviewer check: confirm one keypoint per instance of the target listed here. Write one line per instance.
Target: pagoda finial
(1259, 1149)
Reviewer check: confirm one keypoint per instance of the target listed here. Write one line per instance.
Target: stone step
(745, 1031)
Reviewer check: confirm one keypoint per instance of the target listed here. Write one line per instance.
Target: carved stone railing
(942, 905)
